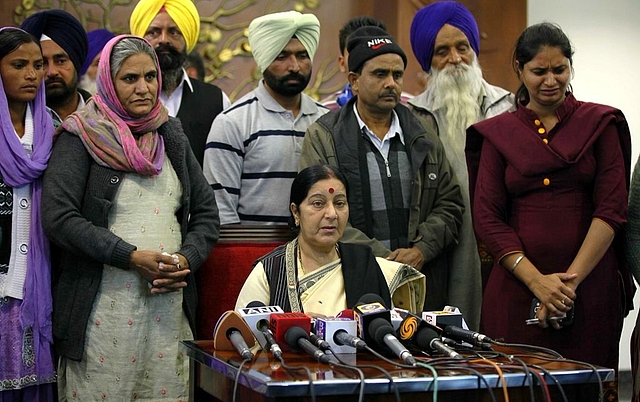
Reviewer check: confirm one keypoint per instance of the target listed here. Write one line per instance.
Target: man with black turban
(172, 27)
(253, 149)
(64, 49)
(404, 201)
(446, 42)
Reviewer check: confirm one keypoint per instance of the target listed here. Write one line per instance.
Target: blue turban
(430, 19)
(97, 40)
(64, 29)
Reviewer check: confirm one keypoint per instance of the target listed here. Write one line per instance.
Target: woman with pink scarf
(134, 218)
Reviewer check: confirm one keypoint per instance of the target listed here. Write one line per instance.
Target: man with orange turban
(172, 27)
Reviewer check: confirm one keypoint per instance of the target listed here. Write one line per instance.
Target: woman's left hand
(172, 275)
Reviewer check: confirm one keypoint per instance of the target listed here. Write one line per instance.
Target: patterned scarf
(112, 137)
(19, 170)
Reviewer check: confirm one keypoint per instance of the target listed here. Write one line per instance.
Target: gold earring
(297, 222)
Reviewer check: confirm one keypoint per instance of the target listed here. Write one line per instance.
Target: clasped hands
(557, 295)
(165, 272)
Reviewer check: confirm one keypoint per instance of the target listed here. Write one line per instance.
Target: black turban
(64, 29)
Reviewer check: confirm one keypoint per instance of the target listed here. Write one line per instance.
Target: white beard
(88, 84)
(456, 90)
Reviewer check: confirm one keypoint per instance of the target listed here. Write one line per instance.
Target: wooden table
(265, 379)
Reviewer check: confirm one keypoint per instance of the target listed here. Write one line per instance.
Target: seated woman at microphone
(315, 273)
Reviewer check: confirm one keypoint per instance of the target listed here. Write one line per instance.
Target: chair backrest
(222, 275)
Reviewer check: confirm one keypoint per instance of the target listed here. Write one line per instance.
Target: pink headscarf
(112, 137)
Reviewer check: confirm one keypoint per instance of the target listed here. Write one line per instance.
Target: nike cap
(365, 43)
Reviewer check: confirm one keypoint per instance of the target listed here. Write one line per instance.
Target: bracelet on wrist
(517, 261)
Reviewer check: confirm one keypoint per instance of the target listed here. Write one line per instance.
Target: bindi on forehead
(331, 190)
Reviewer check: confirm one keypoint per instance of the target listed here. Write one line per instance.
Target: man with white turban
(446, 42)
(172, 27)
(253, 148)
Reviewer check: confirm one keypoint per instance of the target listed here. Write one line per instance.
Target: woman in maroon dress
(550, 198)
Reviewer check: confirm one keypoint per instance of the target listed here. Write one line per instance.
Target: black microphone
(382, 332)
(426, 338)
(319, 342)
(298, 339)
(374, 325)
(465, 335)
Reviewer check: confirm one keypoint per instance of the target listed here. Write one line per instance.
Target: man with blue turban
(64, 49)
(97, 38)
(253, 149)
(172, 27)
(446, 42)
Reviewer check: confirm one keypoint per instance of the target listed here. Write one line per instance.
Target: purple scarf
(18, 170)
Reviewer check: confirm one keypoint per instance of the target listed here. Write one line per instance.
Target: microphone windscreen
(369, 298)
(424, 337)
(293, 334)
(379, 328)
(255, 303)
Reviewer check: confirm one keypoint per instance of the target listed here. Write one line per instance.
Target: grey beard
(458, 96)
(170, 80)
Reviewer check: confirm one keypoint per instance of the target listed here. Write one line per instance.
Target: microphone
(374, 326)
(426, 338)
(411, 324)
(230, 333)
(281, 322)
(465, 335)
(297, 338)
(319, 342)
(257, 317)
(383, 334)
(339, 333)
(369, 307)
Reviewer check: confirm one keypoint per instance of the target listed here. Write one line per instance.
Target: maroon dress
(537, 192)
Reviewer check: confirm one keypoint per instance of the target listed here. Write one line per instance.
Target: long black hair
(531, 41)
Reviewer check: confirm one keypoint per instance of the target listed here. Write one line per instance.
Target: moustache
(293, 76)
(53, 80)
(389, 92)
(167, 48)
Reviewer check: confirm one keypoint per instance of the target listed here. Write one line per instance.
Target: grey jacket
(436, 206)
(77, 196)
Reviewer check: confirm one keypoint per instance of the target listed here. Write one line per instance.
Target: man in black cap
(404, 200)
(64, 49)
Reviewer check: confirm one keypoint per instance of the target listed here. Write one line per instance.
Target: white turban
(269, 34)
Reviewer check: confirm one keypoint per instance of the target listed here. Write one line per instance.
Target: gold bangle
(515, 264)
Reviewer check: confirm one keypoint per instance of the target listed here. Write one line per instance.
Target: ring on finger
(564, 301)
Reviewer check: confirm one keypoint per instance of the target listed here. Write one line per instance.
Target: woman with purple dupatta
(26, 362)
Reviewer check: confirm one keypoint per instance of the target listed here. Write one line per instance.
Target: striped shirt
(252, 156)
